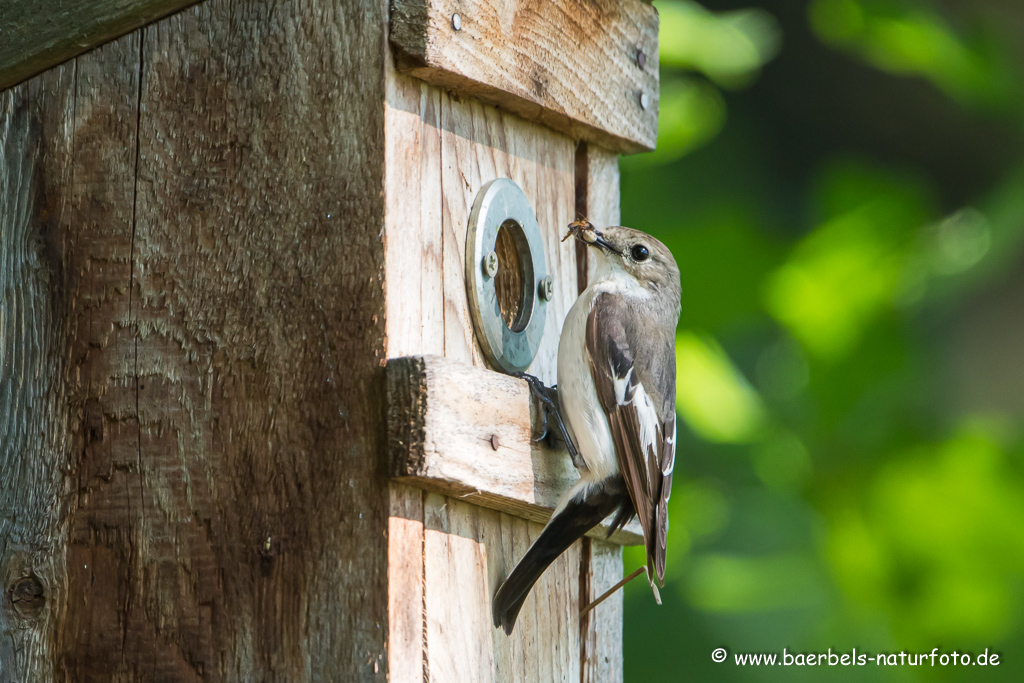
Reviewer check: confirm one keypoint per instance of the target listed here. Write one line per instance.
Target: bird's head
(624, 251)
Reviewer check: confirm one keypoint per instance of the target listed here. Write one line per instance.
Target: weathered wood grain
(108, 495)
(406, 609)
(462, 153)
(260, 293)
(601, 628)
(467, 551)
(38, 34)
(465, 431)
(573, 65)
(602, 195)
(199, 309)
(412, 217)
(414, 319)
(35, 166)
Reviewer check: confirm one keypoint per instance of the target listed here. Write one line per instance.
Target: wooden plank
(464, 168)
(414, 305)
(582, 257)
(457, 593)
(197, 267)
(42, 33)
(571, 65)
(35, 165)
(412, 217)
(548, 182)
(601, 629)
(107, 533)
(406, 609)
(467, 551)
(602, 195)
(465, 431)
(260, 314)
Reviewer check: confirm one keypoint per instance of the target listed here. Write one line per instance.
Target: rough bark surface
(191, 333)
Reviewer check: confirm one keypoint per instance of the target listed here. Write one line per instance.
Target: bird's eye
(640, 253)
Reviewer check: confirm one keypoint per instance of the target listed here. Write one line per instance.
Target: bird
(616, 400)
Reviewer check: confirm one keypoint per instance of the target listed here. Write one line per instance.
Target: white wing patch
(670, 442)
(650, 425)
(630, 392)
(621, 385)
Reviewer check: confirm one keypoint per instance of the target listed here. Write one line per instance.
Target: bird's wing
(634, 374)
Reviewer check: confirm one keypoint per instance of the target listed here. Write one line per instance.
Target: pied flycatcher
(616, 394)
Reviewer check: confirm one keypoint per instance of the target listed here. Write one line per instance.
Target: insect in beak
(585, 231)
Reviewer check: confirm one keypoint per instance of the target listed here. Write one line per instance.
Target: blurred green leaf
(936, 542)
(782, 461)
(723, 583)
(842, 275)
(729, 47)
(907, 38)
(712, 396)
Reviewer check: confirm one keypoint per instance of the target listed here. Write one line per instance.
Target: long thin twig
(608, 593)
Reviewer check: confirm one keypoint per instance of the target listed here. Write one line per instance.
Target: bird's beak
(584, 231)
(600, 241)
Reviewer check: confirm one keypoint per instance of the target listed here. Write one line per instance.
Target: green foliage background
(842, 183)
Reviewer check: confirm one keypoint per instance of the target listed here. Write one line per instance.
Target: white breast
(581, 408)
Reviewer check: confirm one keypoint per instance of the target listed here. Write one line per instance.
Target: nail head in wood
(456, 22)
(644, 101)
(641, 58)
(495, 442)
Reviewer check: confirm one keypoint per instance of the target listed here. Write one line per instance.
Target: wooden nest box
(262, 265)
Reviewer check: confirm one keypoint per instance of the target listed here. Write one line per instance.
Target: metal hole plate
(500, 201)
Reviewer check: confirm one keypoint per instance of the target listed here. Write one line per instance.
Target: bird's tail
(570, 523)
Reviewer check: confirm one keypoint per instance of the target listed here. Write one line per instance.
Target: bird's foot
(548, 397)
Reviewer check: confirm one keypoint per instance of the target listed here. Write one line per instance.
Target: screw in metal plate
(456, 22)
(547, 288)
(644, 102)
(491, 264)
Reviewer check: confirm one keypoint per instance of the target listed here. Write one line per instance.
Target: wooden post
(218, 234)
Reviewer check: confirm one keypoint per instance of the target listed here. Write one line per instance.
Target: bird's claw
(548, 397)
